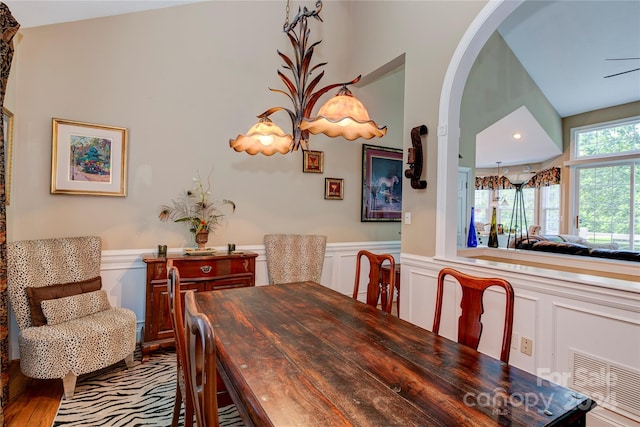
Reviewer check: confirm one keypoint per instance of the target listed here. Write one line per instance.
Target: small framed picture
(88, 159)
(334, 188)
(312, 161)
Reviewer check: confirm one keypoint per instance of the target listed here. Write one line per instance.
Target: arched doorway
(472, 42)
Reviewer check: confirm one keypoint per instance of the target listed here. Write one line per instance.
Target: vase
(202, 237)
(493, 231)
(472, 238)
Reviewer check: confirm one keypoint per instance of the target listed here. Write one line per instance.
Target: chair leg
(176, 407)
(69, 385)
(188, 414)
(129, 361)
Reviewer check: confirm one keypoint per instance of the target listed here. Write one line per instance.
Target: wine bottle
(493, 232)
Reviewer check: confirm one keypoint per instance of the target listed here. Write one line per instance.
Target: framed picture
(88, 159)
(334, 188)
(381, 183)
(312, 161)
(7, 127)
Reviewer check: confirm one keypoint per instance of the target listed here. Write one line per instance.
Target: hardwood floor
(32, 402)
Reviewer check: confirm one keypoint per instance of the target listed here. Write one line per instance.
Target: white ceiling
(34, 13)
(562, 44)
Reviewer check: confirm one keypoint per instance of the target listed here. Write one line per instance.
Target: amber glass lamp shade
(264, 137)
(345, 116)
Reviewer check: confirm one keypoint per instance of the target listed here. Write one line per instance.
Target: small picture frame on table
(312, 161)
(334, 188)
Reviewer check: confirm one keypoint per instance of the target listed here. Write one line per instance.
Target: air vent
(611, 385)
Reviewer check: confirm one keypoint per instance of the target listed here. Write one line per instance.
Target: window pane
(604, 208)
(619, 139)
(550, 204)
(482, 206)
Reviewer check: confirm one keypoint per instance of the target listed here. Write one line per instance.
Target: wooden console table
(198, 273)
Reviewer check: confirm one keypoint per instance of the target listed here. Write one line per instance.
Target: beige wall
(427, 32)
(184, 80)
(183, 91)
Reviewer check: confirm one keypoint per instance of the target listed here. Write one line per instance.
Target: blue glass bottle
(472, 239)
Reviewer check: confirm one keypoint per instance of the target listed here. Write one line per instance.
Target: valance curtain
(9, 29)
(543, 178)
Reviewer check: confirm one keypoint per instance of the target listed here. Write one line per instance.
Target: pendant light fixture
(343, 115)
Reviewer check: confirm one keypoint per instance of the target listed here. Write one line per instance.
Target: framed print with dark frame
(88, 159)
(7, 128)
(334, 188)
(312, 161)
(381, 183)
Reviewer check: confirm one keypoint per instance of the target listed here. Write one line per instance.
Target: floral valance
(543, 178)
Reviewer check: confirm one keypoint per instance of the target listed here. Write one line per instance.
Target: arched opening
(472, 42)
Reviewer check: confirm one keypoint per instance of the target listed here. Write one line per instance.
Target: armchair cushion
(74, 307)
(36, 295)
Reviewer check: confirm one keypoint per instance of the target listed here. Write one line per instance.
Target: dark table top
(302, 354)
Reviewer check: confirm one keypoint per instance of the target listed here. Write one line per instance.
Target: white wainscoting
(124, 276)
(563, 313)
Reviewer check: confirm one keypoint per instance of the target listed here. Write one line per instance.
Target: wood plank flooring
(32, 402)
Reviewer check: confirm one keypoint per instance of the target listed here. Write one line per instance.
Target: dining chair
(201, 363)
(183, 393)
(294, 257)
(378, 292)
(469, 324)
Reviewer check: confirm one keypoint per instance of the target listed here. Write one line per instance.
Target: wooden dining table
(302, 354)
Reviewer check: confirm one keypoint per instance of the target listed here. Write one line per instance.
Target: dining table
(303, 354)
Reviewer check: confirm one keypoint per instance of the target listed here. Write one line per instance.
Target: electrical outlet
(526, 346)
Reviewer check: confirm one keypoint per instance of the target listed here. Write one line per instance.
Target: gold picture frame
(334, 188)
(7, 127)
(88, 159)
(312, 161)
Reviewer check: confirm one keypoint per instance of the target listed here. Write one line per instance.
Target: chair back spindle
(378, 292)
(469, 322)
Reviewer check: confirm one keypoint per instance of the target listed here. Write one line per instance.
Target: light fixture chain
(286, 17)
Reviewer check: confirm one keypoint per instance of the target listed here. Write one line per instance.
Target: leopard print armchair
(82, 333)
(294, 257)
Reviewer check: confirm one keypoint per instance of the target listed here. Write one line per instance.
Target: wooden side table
(198, 273)
(386, 278)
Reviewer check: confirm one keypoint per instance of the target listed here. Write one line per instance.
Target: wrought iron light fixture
(343, 115)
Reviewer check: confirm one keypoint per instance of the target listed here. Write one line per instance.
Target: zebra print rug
(141, 396)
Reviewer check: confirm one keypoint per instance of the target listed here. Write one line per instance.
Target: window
(483, 206)
(550, 209)
(606, 158)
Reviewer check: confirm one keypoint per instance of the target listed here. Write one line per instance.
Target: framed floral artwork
(7, 127)
(88, 159)
(312, 161)
(334, 188)
(381, 183)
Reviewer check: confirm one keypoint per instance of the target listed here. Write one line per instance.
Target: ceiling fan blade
(619, 59)
(624, 72)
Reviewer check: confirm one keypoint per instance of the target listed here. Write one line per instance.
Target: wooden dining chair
(469, 325)
(378, 292)
(201, 363)
(294, 257)
(183, 394)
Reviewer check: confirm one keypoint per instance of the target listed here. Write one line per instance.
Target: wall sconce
(414, 158)
(343, 115)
